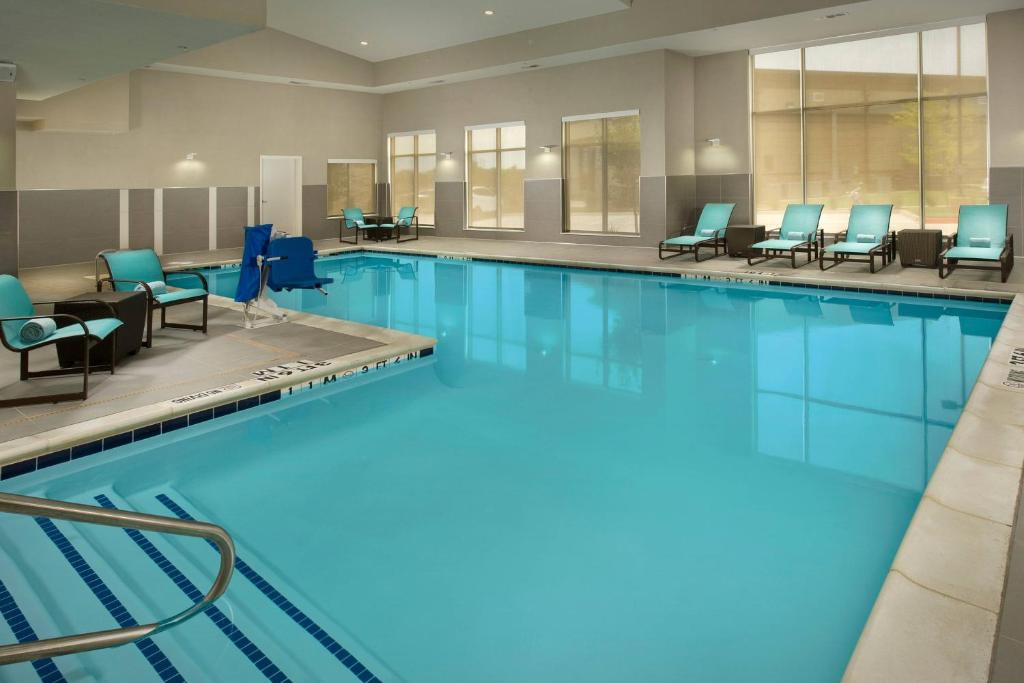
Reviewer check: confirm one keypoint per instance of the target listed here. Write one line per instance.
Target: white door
(281, 193)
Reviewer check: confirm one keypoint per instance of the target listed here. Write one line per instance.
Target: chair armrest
(113, 281)
(190, 273)
(841, 236)
(75, 320)
(951, 240)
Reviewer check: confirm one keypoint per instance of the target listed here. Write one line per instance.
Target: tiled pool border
(927, 624)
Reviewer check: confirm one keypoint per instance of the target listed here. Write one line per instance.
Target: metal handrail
(55, 509)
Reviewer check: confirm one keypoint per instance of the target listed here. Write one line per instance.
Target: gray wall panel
(9, 232)
(67, 226)
(140, 219)
(314, 209)
(1006, 186)
(232, 213)
(186, 219)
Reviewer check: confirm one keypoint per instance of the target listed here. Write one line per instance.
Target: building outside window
(411, 165)
(495, 173)
(601, 167)
(899, 119)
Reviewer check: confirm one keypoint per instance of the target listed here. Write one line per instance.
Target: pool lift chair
(275, 262)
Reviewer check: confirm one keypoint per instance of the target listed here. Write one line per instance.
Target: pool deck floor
(952, 607)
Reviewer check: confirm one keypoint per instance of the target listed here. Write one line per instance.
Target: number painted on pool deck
(1015, 377)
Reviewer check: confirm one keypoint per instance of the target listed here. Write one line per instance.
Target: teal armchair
(708, 233)
(798, 233)
(16, 309)
(132, 269)
(866, 238)
(408, 219)
(353, 219)
(981, 239)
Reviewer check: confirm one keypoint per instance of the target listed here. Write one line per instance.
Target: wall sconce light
(447, 156)
(549, 148)
(714, 142)
(191, 156)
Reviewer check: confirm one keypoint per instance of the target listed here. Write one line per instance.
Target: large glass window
(601, 167)
(896, 119)
(413, 160)
(495, 172)
(351, 184)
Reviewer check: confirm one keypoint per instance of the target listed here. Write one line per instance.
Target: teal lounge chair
(16, 309)
(866, 237)
(799, 233)
(140, 268)
(709, 232)
(407, 218)
(354, 220)
(980, 237)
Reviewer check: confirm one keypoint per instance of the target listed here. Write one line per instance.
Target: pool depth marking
(248, 648)
(348, 659)
(150, 650)
(24, 633)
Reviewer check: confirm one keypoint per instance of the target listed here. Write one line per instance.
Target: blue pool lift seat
(866, 238)
(980, 238)
(407, 219)
(16, 309)
(290, 260)
(708, 233)
(131, 269)
(798, 233)
(353, 219)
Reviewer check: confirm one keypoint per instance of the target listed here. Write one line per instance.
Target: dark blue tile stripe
(255, 655)
(153, 654)
(24, 633)
(288, 607)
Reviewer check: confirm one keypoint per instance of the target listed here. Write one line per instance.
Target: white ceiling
(397, 28)
(59, 45)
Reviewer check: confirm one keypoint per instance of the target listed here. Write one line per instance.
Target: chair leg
(206, 313)
(24, 365)
(149, 326)
(163, 318)
(85, 367)
(113, 351)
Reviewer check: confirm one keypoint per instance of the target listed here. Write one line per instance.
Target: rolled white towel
(157, 287)
(37, 329)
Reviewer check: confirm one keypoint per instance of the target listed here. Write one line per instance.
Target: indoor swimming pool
(596, 477)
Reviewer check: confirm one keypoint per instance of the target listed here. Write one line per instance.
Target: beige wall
(101, 107)
(8, 140)
(722, 110)
(540, 98)
(1006, 88)
(227, 123)
(679, 104)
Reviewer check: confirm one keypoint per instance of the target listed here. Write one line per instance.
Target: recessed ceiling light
(364, 43)
(489, 12)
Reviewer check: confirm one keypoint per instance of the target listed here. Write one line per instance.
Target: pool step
(61, 578)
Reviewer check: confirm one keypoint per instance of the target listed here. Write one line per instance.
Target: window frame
(920, 99)
(498, 151)
(566, 218)
(415, 156)
(353, 162)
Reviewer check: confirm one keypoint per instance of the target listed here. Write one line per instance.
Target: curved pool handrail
(96, 640)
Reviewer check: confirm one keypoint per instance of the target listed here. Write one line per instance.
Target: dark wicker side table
(919, 248)
(738, 239)
(129, 307)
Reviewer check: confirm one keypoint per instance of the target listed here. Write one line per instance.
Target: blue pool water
(597, 477)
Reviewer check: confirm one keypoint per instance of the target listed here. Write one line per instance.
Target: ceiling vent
(8, 72)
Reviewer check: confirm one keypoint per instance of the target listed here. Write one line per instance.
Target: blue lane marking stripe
(153, 654)
(24, 633)
(348, 659)
(253, 653)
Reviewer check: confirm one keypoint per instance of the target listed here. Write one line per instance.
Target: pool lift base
(263, 311)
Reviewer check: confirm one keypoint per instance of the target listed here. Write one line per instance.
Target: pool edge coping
(110, 431)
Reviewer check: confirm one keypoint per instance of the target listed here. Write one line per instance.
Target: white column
(213, 218)
(123, 242)
(250, 204)
(158, 220)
